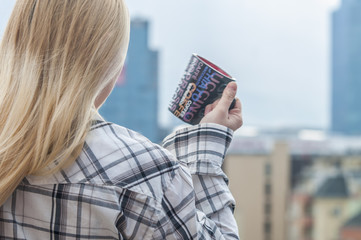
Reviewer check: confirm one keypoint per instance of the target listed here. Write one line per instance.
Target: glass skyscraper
(346, 68)
(134, 100)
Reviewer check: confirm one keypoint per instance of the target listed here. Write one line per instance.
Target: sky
(279, 52)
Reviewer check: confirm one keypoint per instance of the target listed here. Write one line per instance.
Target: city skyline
(278, 51)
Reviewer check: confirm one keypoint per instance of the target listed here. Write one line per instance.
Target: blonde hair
(56, 56)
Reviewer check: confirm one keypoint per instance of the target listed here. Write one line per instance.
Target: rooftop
(333, 187)
(355, 221)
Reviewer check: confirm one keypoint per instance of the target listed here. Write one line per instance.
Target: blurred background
(295, 165)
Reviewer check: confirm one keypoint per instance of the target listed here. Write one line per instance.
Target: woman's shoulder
(115, 156)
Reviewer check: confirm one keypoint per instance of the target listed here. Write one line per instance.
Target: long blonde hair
(56, 56)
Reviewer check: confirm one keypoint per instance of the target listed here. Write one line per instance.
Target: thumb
(228, 95)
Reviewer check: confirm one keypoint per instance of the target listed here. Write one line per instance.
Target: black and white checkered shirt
(123, 186)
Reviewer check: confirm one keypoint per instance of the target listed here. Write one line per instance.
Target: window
(268, 169)
(267, 208)
(267, 228)
(336, 212)
(268, 188)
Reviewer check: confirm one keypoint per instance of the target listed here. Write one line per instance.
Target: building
(301, 220)
(282, 183)
(134, 100)
(352, 228)
(325, 203)
(259, 183)
(346, 70)
(330, 208)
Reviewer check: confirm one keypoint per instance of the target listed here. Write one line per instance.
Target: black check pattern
(123, 186)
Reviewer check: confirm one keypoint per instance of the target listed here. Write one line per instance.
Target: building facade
(260, 186)
(134, 100)
(346, 70)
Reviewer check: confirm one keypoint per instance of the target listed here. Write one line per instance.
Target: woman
(65, 173)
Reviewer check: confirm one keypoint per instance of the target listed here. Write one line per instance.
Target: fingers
(228, 95)
(237, 107)
(210, 107)
(233, 119)
(236, 115)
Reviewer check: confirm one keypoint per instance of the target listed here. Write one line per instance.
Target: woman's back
(122, 186)
(119, 177)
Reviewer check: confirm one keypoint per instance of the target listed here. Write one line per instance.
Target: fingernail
(232, 86)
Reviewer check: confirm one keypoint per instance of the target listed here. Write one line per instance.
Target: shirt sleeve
(198, 203)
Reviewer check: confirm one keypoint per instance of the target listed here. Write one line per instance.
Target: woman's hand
(218, 112)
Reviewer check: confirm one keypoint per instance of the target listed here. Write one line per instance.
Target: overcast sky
(279, 52)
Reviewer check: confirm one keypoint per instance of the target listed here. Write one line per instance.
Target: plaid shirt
(123, 186)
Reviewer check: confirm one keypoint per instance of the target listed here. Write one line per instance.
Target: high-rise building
(134, 100)
(346, 68)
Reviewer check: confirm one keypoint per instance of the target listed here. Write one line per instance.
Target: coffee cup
(202, 83)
